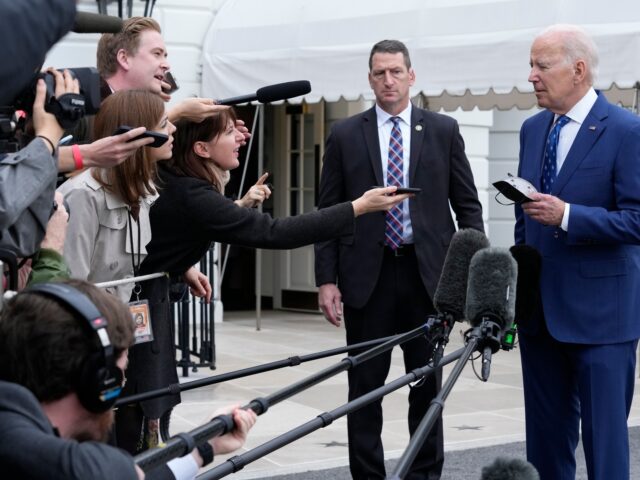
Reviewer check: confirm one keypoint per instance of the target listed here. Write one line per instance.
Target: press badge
(142, 319)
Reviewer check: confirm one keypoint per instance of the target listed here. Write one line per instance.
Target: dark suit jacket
(352, 165)
(590, 280)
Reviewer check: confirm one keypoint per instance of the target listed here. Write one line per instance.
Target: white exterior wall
(474, 128)
(504, 144)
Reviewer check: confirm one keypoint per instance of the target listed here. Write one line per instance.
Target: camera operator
(28, 177)
(52, 404)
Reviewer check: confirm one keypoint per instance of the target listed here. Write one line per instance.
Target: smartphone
(169, 78)
(159, 139)
(406, 190)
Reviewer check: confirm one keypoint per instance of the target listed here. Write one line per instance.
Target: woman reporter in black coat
(192, 212)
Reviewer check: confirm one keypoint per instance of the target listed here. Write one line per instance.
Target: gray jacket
(27, 185)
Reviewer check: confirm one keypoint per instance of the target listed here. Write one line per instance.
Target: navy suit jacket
(352, 165)
(590, 280)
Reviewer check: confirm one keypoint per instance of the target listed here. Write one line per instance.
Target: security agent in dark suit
(386, 273)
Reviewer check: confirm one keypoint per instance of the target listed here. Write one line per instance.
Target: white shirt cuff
(564, 225)
(184, 468)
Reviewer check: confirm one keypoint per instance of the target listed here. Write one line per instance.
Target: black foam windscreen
(283, 91)
(491, 289)
(529, 263)
(451, 293)
(509, 469)
(87, 22)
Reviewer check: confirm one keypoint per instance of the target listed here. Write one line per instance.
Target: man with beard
(61, 369)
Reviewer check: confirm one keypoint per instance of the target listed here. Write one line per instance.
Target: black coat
(186, 218)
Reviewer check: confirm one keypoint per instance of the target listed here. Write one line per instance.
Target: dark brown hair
(133, 178)
(186, 162)
(44, 344)
(128, 39)
(390, 46)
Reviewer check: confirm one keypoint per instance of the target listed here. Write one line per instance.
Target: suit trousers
(399, 303)
(566, 384)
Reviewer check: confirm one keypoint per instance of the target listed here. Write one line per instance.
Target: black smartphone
(159, 139)
(169, 78)
(408, 190)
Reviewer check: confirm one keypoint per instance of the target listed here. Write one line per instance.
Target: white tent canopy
(465, 52)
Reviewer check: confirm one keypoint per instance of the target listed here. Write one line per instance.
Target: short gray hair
(577, 45)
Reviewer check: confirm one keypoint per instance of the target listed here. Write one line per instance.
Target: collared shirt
(384, 136)
(568, 134)
(570, 131)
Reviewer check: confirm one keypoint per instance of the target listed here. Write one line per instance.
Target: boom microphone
(491, 290)
(528, 300)
(491, 294)
(509, 469)
(451, 292)
(271, 93)
(86, 22)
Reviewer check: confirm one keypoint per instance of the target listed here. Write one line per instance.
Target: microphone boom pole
(435, 410)
(238, 462)
(183, 443)
(489, 308)
(245, 372)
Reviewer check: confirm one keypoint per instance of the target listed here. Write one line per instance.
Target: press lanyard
(136, 266)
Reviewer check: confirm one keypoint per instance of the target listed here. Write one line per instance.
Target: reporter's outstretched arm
(378, 200)
(106, 152)
(194, 109)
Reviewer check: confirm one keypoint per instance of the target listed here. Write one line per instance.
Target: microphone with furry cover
(509, 469)
(451, 293)
(491, 296)
(491, 290)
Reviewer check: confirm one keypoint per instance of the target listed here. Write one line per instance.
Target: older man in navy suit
(578, 350)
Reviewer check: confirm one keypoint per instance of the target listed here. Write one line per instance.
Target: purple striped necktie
(393, 226)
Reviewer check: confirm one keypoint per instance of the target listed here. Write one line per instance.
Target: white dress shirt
(568, 134)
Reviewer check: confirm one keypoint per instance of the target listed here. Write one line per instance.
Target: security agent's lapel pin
(418, 128)
(592, 128)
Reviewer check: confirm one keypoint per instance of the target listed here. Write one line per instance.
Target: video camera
(68, 108)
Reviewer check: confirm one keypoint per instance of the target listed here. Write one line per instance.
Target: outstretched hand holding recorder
(159, 139)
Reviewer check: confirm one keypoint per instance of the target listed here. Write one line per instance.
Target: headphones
(100, 380)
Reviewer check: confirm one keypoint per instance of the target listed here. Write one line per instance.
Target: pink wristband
(77, 157)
